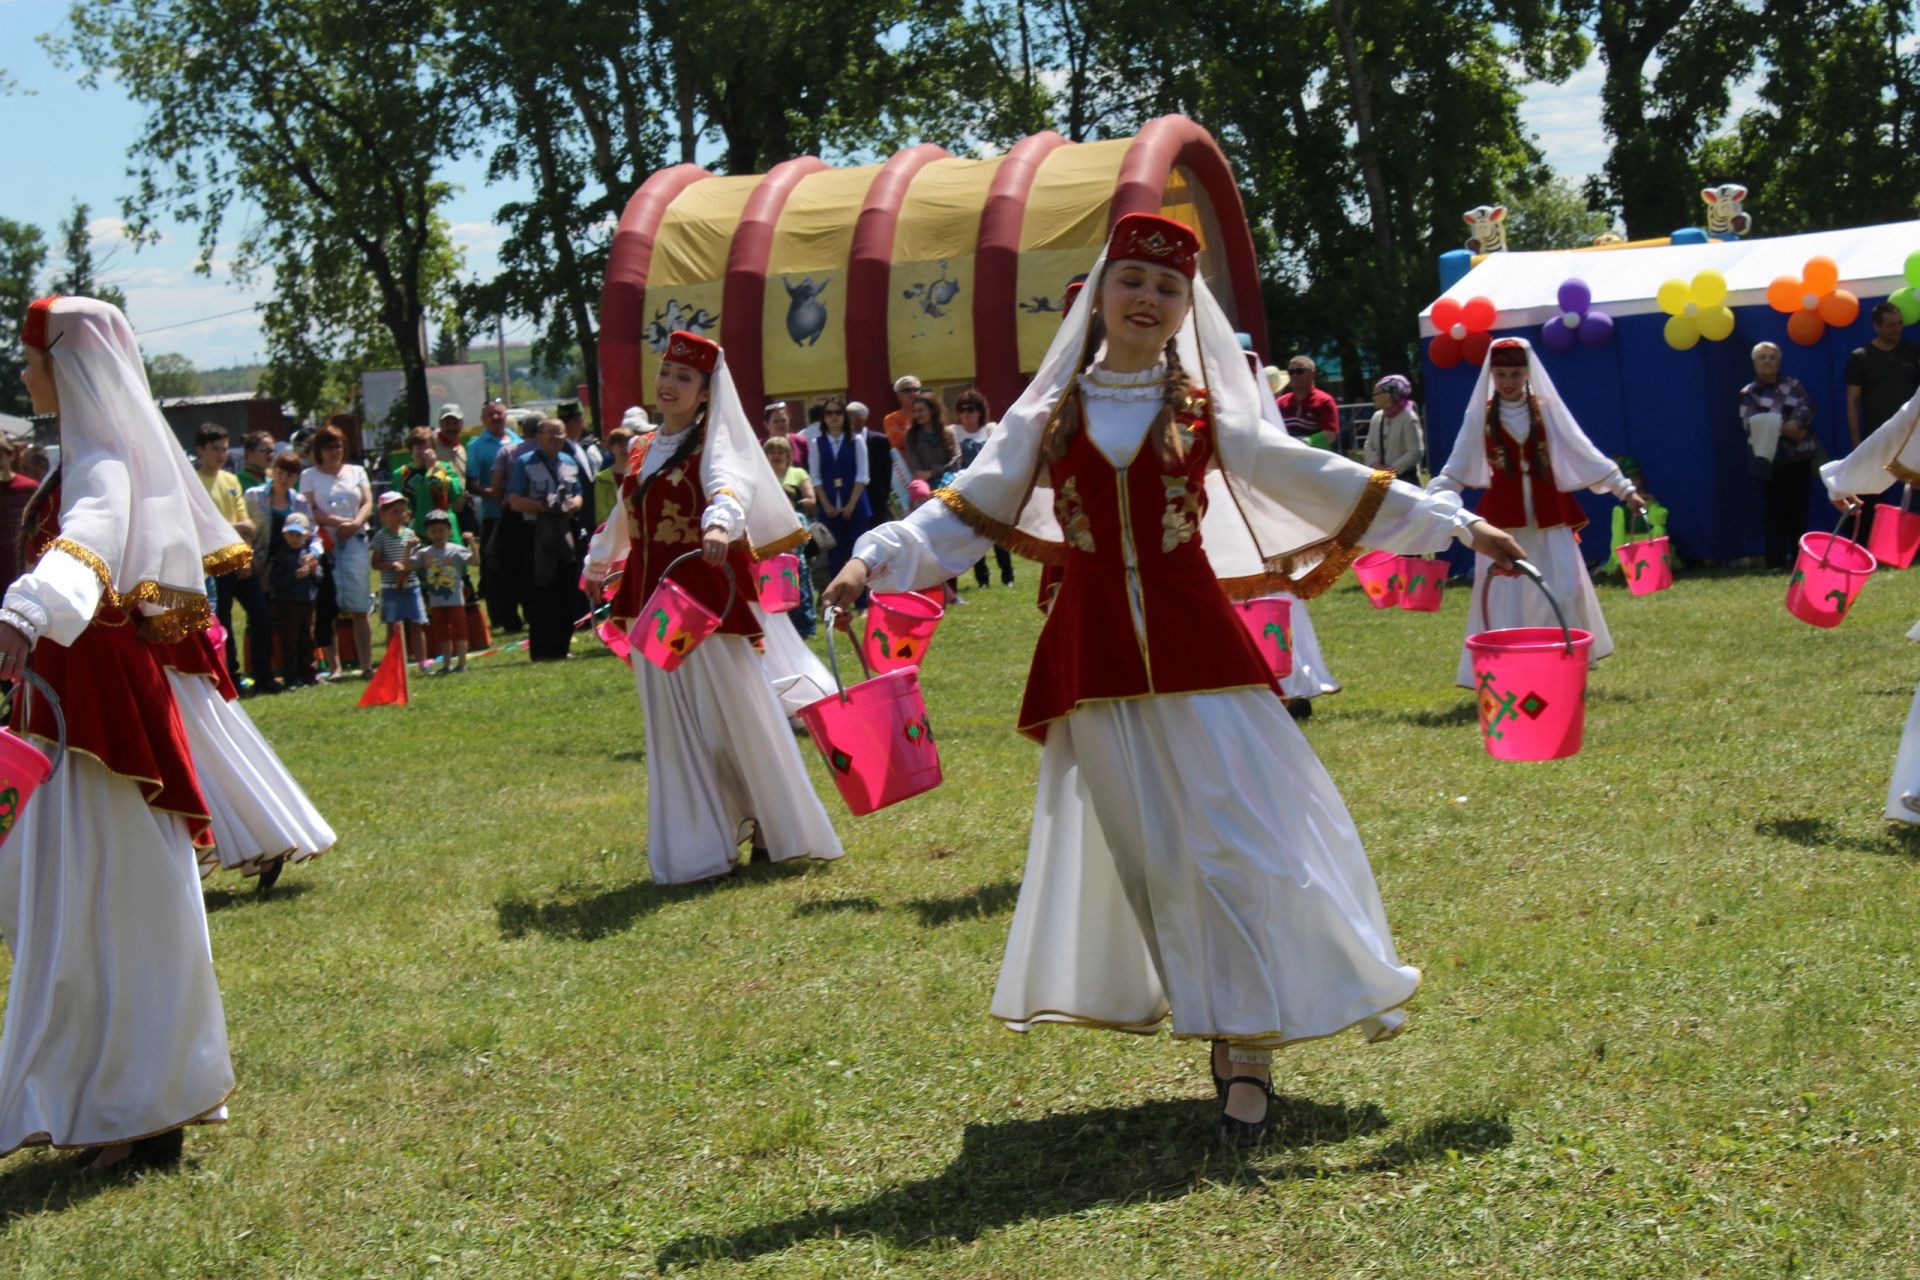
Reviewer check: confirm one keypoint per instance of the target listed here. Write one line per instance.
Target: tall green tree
(323, 122)
(79, 275)
(1833, 143)
(23, 252)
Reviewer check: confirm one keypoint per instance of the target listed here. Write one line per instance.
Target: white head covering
(130, 506)
(732, 463)
(634, 419)
(1254, 543)
(1577, 464)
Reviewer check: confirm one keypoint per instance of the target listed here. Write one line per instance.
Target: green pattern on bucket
(840, 760)
(1494, 706)
(1279, 636)
(9, 808)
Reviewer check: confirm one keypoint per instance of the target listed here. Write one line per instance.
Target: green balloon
(1913, 270)
(1909, 303)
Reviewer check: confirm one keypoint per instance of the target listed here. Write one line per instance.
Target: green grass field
(1667, 1028)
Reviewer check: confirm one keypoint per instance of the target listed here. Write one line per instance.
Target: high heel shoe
(1236, 1132)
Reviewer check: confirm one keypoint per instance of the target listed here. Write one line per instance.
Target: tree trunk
(1366, 150)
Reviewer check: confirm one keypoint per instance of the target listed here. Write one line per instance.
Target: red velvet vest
(1139, 611)
(663, 522)
(1515, 465)
(118, 704)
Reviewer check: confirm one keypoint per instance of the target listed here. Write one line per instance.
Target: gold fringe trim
(1009, 536)
(182, 612)
(781, 545)
(1257, 585)
(227, 560)
(1904, 474)
(1336, 554)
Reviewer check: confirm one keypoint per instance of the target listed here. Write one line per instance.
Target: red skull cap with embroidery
(1507, 354)
(692, 349)
(33, 332)
(1148, 237)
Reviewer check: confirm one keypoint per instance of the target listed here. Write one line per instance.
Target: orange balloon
(1839, 308)
(1784, 294)
(1805, 327)
(1822, 274)
(1479, 314)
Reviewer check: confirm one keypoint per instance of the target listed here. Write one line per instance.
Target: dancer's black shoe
(1247, 1133)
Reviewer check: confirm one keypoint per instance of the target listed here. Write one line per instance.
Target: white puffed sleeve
(55, 600)
(928, 547)
(610, 541)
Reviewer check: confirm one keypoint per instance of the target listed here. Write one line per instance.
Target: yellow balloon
(1682, 332)
(1709, 289)
(1673, 297)
(1716, 323)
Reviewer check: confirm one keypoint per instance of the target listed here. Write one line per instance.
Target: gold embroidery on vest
(1073, 517)
(675, 526)
(1182, 517)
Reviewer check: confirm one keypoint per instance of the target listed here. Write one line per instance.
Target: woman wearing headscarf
(1189, 854)
(1394, 442)
(114, 1036)
(722, 766)
(1520, 443)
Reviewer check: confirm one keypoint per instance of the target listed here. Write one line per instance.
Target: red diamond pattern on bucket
(1532, 705)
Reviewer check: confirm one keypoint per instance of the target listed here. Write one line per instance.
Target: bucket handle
(53, 700)
(1541, 582)
(732, 586)
(1855, 515)
(830, 616)
(1641, 516)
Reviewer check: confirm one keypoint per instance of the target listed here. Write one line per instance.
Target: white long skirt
(114, 1028)
(720, 755)
(797, 675)
(259, 812)
(1500, 602)
(1191, 856)
(1906, 765)
(1310, 676)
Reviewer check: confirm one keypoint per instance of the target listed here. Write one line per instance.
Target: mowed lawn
(1668, 1026)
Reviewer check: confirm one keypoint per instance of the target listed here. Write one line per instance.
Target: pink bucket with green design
(1532, 686)
(1379, 573)
(875, 737)
(672, 623)
(900, 626)
(23, 767)
(1827, 578)
(777, 580)
(1426, 584)
(1270, 624)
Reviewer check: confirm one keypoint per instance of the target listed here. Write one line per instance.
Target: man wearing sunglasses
(1307, 410)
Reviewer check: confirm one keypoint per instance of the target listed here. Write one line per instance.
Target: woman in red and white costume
(1189, 854)
(262, 819)
(1521, 444)
(114, 1037)
(722, 766)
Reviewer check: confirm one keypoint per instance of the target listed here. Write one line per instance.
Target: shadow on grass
(615, 910)
(832, 906)
(1466, 712)
(221, 898)
(636, 756)
(1021, 1170)
(1818, 833)
(988, 900)
(45, 1184)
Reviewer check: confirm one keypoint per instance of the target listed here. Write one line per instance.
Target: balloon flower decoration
(1815, 300)
(1907, 298)
(1466, 331)
(1697, 310)
(1577, 322)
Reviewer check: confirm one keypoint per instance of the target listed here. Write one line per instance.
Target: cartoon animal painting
(676, 315)
(1486, 228)
(1725, 215)
(806, 314)
(1039, 304)
(934, 295)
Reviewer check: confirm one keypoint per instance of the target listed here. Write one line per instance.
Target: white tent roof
(1624, 281)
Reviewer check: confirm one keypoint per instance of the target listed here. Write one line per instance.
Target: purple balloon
(1596, 330)
(1556, 337)
(1575, 296)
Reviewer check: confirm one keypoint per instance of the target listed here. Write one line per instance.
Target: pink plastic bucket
(777, 580)
(615, 639)
(1896, 534)
(1270, 623)
(874, 737)
(23, 767)
(1647, 564)
(900, 626)
(1426, 584)
(1379, 572)
(672, 622)
(1827, 578)
(1532, 685)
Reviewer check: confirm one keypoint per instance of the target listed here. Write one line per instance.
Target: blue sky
(178, 310)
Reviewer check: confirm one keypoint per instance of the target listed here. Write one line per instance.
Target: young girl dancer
(1189, 853)
(721, 762)
(114, 1037)
(1521, 444)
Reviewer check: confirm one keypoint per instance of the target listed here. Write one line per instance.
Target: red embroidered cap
(1148, 237)
(33, 332)
(692, 349)
(1507, 354)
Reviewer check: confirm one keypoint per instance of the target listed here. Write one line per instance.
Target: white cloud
(111, 231)
(1565, 119)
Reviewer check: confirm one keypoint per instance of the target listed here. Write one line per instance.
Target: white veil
(732, 463)
(131, 507)
(1256, 543)
(1577, 464)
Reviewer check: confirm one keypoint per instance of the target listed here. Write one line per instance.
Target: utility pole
(506, 379)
